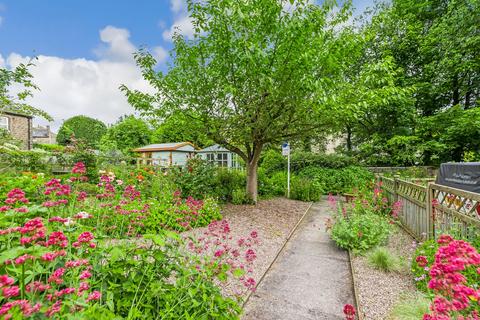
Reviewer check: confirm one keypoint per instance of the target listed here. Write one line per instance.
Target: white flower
(119, 182)
(69, 222)
(83, 215)
(101, 171)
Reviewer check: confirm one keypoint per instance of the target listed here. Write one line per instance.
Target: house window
(4, 123)
(222, 159)
(210, 157)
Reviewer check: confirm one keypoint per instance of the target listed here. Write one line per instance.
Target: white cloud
(182, 25)
(71, 87)
(182, 22)
(177, 5)
(160, 54)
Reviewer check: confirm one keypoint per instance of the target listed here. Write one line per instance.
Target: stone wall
(20, 128)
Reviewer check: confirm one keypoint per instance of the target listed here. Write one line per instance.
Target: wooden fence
(429, 209)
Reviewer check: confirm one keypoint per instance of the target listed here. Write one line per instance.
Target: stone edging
(355, 292)
(277, 255)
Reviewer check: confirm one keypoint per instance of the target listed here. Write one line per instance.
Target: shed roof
(214, 148)
(163, 146)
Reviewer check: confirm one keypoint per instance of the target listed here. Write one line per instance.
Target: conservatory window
(4, 123)
(210, 157)
(222, 159)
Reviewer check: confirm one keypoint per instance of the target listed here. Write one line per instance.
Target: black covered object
(463, 175)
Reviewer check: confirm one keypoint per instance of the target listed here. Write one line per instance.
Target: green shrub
(48, 147)
(360, 232)
(240, 196)
(273, 161)
(31, 183)
(157, 281)
(338, 181)
(303, 159)
(305, 189)
(196, 179)
(382, 259)
(226, 182)
(411, 307)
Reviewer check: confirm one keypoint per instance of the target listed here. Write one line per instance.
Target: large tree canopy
(128, 133)
(179, 127)
(256, 73)
(82, 128)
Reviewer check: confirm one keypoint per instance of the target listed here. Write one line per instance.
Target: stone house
(19, 126)
(44, 135)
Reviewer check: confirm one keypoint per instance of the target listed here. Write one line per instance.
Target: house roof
(214, 148)
(41, 132)
(7, 110)
(163, 147)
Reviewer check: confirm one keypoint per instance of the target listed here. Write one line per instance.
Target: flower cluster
(16, 197)
(52, 279)
(454, 298)
(227, 257)
(57, 192)
(349, 312)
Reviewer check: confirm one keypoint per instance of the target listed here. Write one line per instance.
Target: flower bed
(65, 252)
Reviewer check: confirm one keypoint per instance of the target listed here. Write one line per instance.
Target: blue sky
(84, 48)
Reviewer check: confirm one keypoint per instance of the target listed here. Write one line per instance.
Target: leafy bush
(382, 259)
(240, 196)
(83, 128)
(302, 159)
(338, 181)
(274, 185)
(21, 160)
(360, 232)
(196, 179)
(226, 182)
(155, 280)
(48, 147)
(30, 183)
(305, 189)
(273, 161)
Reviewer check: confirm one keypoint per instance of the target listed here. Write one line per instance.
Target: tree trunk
(252, 176)
(252, 180)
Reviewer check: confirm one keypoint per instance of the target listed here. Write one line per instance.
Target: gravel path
(379, 291)
(310, 280)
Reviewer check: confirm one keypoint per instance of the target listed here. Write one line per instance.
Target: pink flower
(9, 292)
(254, 234)
(250, 255)
(6, 281)
(85, 275)
(79, 168)
(95, 295)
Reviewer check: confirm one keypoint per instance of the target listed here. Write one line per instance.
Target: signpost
(286, 152)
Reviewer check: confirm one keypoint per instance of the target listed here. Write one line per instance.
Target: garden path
(311, 278)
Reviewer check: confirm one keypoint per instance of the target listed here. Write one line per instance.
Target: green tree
(179, 127)
(82, 128)
(128, 133)
(256, 73)
(20, 76)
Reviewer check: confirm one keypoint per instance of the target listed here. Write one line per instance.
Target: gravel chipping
(379, 291)
(273, 219)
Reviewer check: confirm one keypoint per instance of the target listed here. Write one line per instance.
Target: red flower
(349, 312)
(421, 261)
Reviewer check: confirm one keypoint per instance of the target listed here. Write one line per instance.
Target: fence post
(395, 188)
(431, 220)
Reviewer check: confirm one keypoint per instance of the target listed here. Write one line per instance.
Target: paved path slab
(310, 280)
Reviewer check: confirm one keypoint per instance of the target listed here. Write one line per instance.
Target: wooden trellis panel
(430, 210)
